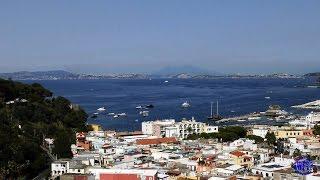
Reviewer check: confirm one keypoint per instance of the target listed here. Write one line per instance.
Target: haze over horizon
(146, 36)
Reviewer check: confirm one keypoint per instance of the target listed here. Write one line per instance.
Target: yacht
(149, 106)
(122, 114)
(94, 116)
(185, 104)
(166, 81)
(267, 97)
(95, 113)
(111, 114)
(101, 109)
(116, 116)
(254, 118)
(144, 113)
(139, 107)
(216, 116)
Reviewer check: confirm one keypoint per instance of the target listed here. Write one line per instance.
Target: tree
(316, 129)
(62, 144)
(23, 125)
(271, 138)
(296, 153)
(257, 139)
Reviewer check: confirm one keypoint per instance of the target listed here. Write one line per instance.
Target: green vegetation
(316, 130)
(271, 138)
(296, 153)
(257, 139)
(25, 124)
(225, 134)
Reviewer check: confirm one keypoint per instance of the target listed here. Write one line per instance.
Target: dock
(314, 105)
(243, 117)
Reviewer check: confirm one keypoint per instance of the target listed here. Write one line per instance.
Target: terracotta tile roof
(156, 141)
(237, 153)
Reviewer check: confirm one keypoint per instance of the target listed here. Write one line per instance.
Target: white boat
(116, 116)
(136, 120)
(185, 104)
(139, 107)
(144, 113)
(267, 97)
(122, 114)
(95, 113)
(241, 120)
(166, 81)
(101, 109)
(111, 114)
(254, 118)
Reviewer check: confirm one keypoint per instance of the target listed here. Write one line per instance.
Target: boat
(94, 116)
(101, 109)
(214, 116)
(254, 118)
(267, 97)
(111, 114)
(149, 106)
(122, 114)
(139, 107)
(144, 113)
(136, 120)
(185, 104)
(95, 113)
(166, 81)
(241, 120)
(116, 116)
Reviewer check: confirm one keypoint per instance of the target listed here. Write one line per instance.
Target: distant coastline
(65, 75)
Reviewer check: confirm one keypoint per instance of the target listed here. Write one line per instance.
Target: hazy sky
(143, 36)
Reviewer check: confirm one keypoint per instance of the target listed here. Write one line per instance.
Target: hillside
(28, 114)
(315, 74)
(64, 75)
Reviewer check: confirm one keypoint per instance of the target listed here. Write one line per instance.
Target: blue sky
(143, 36)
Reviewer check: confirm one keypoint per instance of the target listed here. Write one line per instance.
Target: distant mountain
(38, 75)
(314, 74)
(64, 75)
(191, 70)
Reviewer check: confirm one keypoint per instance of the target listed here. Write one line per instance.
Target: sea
(235, 96)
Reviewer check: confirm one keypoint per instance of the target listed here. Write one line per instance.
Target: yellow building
(95, 127)
(288, 133)
(241, 158)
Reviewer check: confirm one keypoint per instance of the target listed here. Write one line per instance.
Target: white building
(152, 127)
(313, 117)
(267, 170)
(186, 127)
(59, 167)
(170, 128)
(260, 132)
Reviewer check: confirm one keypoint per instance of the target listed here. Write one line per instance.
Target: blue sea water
(235, 96)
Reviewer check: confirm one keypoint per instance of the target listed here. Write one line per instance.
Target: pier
(243, 117)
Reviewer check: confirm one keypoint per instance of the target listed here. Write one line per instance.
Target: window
(78, 170)
(267, 174)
